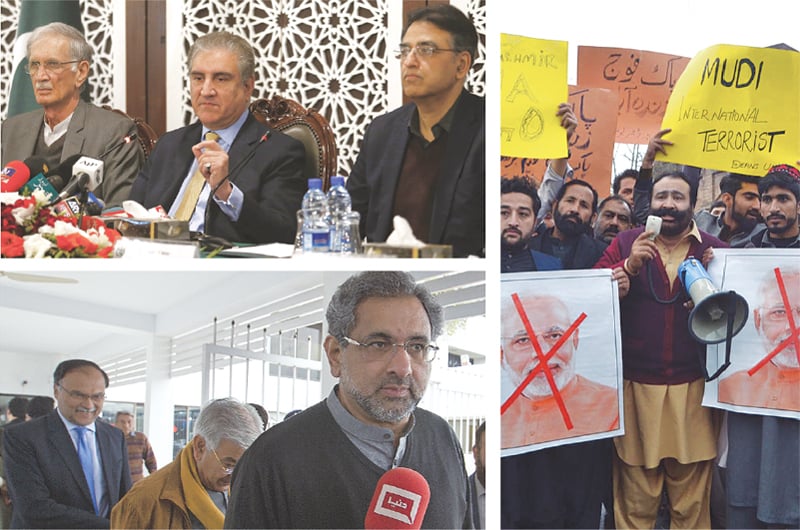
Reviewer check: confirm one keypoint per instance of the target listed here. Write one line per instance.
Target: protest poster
(643, 80)
(736, 109)
(532, 168)
(533, 82)
(591, 146)
(764, 375)
(570, 320)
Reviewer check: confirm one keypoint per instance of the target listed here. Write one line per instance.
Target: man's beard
(787, 358)
(570, 224)
(384, 410)
(682, 220)
(780, 230)
(744, 222)
(539, 387)
(521, 243)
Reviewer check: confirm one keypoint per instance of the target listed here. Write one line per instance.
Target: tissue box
(385, 250)
(168, 229)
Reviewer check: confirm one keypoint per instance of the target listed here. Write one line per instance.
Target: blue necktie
(87, 463)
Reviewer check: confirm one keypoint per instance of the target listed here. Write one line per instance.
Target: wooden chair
(306, 125)
(145, 134)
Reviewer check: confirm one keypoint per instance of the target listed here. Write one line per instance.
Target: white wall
(37, 370)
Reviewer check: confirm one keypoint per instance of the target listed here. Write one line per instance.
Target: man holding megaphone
(663, 375)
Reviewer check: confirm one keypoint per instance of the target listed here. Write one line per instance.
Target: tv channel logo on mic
(397, 503)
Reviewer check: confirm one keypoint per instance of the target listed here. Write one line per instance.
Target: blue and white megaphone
(717, 316)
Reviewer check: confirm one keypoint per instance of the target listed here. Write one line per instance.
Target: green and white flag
(35, 13)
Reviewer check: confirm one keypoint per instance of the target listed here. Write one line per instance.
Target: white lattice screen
(97, 18)
(331, 55)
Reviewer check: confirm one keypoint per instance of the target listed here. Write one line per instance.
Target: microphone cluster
(63, 186)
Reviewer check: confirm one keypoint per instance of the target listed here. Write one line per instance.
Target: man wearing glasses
(320, 469)
(425, 160)
(192, 491)
(59, 59)
(66, 470)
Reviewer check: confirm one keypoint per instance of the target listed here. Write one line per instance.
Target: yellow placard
(533, 83)
(736, 109)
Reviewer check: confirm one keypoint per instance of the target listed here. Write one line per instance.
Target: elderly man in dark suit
(257, 189)
(59, 59)
(425, 161)
(67, 470)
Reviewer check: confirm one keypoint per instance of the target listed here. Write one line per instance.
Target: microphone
(231, 175)
(45, 185)
(64, 168)
(74, 207)
(56, 181)
(36, 164)
(14, 176)
(87, 174)
(38, 167)
(125, 141)
(400, 500)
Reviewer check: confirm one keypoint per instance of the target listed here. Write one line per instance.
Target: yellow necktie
(192, 192)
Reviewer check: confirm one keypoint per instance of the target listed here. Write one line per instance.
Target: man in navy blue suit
(426, 160)
(257, 188)
(67, 470)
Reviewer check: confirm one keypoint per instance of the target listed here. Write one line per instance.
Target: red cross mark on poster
(794, 335)
(543, 358)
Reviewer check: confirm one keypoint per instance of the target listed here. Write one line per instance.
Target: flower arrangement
(31, 229)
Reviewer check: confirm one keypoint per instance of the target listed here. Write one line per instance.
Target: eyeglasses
(382, 349)
(422, 50)
(100, 396)
(228, 469)
(53, 67)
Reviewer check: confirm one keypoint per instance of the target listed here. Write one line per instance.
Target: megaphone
(717, 316)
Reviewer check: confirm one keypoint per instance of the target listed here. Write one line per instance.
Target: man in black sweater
(320, 469)
(574, 211)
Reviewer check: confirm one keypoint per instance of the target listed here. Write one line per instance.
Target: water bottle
(316, 232)
(338, 206)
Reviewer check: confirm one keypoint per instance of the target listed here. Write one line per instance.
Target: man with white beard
(563, 486)
(535, 415)
(774, 385)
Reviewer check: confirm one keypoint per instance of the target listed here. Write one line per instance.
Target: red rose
(76, 241)
(11, 245)
(112, 235)
(89, 222)
(104, 252)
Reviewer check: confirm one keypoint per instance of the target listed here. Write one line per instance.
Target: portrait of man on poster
(574, 394)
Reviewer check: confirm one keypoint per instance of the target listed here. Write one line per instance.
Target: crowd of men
(424, 161)
(654, 475)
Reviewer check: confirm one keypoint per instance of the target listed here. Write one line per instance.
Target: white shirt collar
(54, 133)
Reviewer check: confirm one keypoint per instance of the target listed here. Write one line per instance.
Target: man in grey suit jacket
(426, 160)
(49, 484)
(59, 60)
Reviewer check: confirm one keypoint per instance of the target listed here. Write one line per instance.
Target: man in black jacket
(426, 160)
(569, 240)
